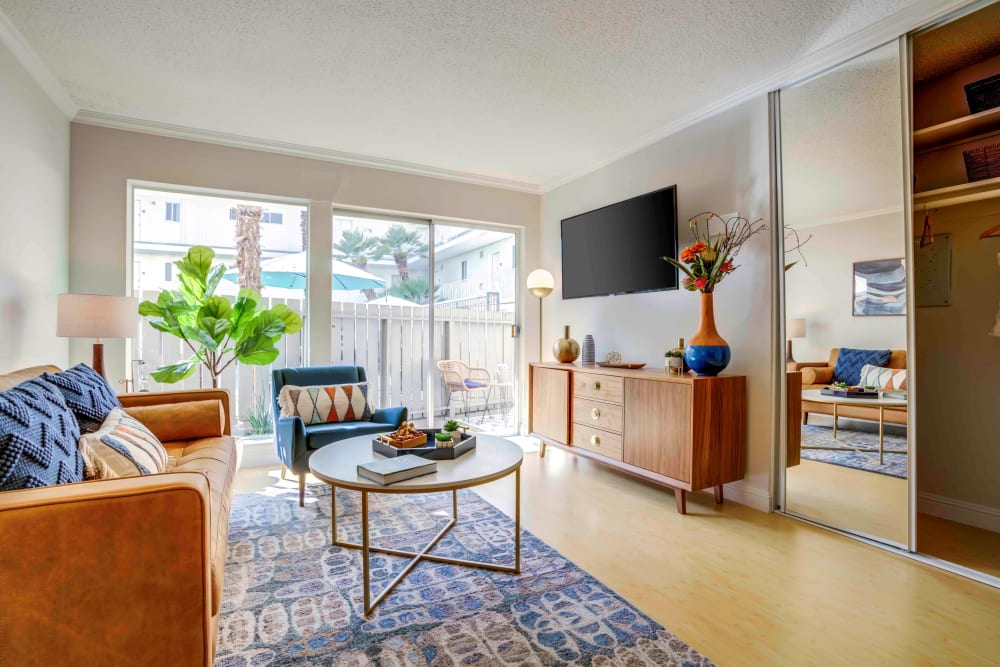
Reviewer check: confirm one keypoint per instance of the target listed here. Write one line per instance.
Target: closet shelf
(954, 195)
(959, 128)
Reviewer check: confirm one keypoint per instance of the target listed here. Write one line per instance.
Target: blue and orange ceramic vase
(707, 352)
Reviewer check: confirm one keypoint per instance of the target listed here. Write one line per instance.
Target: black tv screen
(617, 249)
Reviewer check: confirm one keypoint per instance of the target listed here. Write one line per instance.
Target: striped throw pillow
(122, 447)
(885, 378)
(326, 404)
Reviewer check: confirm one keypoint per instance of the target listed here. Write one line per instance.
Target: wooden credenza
(686, 432)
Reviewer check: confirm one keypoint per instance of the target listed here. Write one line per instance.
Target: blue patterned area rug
(291, 598)
(894, 465)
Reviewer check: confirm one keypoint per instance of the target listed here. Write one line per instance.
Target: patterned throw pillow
(851, 361)
(324, 404)
(87, 394)
(887, 378)
(122, 447)
(38, 435)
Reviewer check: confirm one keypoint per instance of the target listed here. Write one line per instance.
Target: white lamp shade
(796, 327)
(96, 316)
(541, 279)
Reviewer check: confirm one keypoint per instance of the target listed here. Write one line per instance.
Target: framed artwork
(879, 288)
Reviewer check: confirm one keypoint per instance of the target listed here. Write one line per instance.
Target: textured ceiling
(521, 90)
(957, 44)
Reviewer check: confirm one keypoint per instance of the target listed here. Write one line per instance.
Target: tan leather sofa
(819, 374)
(122, 571)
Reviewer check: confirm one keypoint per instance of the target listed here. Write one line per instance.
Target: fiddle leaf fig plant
(216, 331)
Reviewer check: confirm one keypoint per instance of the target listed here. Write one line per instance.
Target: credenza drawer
(598, 441)
(602, 387)
(597, 414)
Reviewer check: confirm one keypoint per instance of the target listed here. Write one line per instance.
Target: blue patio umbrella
(289, 272)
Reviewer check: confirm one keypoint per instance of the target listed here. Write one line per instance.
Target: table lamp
(96, 316)
(796, 329)
(540, 284)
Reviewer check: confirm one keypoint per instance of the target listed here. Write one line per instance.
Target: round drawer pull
(595, 413)
(594, 440)
(597, 386)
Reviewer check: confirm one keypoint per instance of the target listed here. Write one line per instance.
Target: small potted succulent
(451, 426)
(444, 439)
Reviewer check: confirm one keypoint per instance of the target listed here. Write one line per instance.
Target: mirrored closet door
(842, 178)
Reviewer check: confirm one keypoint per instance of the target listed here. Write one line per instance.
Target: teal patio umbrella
(289, 272)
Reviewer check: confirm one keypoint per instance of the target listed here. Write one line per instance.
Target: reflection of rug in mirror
(292, 598)
(822, 436)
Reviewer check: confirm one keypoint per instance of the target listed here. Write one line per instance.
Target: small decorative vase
(588, 351)
(707, 352)
(566, 350)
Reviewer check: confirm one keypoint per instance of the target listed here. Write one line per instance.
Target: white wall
(958, 371)
(821, 291)
(34, 200)
(720, 164)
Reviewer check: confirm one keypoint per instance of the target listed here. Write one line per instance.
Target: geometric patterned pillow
(851, 361)
(38, 436)
(886, 378)
(87, 394)
(124, 446)
(326, 404)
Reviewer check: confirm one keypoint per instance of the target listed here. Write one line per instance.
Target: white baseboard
(259, 454)
(953, 509)
(744, 494)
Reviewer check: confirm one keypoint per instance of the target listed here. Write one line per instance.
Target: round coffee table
(492, 459)
(881, 403)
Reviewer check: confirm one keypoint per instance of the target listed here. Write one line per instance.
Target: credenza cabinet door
(550, 403)
(658, 427)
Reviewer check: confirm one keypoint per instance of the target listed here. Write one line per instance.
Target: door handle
(595, 413)
(597, 386)
(595, 441)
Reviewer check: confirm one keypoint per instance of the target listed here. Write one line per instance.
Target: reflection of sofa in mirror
(819, 374)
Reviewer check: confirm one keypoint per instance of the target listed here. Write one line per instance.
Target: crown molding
(232, 140)
(15, 42)
(915, 16)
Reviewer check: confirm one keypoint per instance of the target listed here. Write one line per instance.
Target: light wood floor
(856, 500)
(742, 586)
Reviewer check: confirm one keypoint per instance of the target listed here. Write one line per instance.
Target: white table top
(815, 395)
(493, 458)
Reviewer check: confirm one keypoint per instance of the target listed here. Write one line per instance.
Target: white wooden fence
(389, 341)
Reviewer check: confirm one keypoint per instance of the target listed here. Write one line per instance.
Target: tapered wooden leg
(718, 495)
(805, 418)
(284, 470)
(302, 490)
(541, 452)
(680, 495)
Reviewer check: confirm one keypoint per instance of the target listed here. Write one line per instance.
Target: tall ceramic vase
(707, 352)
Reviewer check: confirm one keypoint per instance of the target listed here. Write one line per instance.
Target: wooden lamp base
(98, 361)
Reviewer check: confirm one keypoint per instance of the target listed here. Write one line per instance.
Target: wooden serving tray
(415, 441)
(604, 364)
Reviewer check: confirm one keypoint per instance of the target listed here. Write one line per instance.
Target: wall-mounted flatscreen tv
(617, 249)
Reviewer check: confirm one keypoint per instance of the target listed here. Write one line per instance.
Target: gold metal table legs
(424, 554)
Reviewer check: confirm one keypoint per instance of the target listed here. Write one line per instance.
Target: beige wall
(821, 289)
(104, 159)
(958, 367)
(720, 164)
(34, 198)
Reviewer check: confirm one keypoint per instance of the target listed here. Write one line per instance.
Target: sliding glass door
(428, 309)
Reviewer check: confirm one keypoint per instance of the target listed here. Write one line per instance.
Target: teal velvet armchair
(295, 441)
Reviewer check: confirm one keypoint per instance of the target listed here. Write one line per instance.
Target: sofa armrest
(181, 396)
(799, 365)
(290, 441)
(391, 416)
(107, 572)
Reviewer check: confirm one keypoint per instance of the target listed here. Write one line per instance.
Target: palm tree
(399, 244)
(248, 245)
(416, 290)
(355, 246)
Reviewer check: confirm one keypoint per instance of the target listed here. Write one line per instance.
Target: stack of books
(398, 469)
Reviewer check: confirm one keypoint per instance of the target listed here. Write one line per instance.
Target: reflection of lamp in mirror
(96, 316)
(796, 329)
(540, 284)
